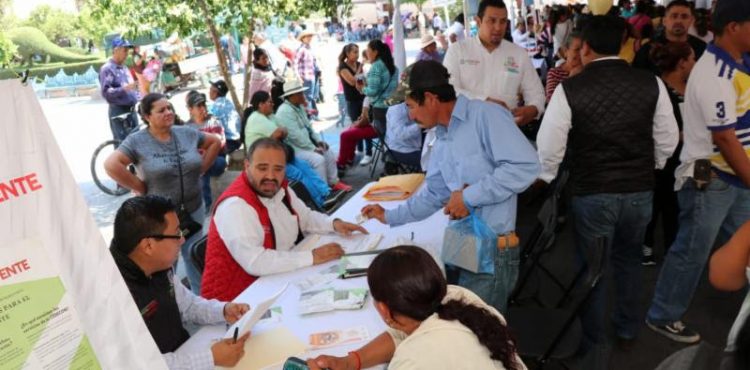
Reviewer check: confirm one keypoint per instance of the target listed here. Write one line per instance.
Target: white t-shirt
(716, 99)
(458, 29)
(501, 74)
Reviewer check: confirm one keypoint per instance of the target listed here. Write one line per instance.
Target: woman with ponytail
(432, 325)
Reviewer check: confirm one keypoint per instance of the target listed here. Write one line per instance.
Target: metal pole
(399, 50)
(467, 19)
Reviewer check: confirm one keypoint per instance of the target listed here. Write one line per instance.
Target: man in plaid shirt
(306, 65)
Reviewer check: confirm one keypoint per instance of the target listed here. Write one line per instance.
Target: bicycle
(103, 151)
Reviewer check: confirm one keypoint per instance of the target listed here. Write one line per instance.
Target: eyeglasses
(179, 235)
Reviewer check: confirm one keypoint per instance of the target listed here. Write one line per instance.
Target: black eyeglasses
(179, 235)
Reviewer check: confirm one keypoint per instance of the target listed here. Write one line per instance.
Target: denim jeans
(494, 289)
(622, 219)
(310, 94)
(193, 275)
(121, 128)
(216, 170)
(717, 211)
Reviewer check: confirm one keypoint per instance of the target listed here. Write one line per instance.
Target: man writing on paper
(257, 221)
(480, 162)
(145, 246)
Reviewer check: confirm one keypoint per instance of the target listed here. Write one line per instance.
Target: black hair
(137, 218)
(484, 4)
(674, 3)
(384, 54)
(264, 143)
(459, 18)
(257, 54)
(667, 56)
(345, 51)
(701, 22)
(726, 12)
(258, 97)
(407, 280)
(603, 34)
(432, 77)
(147, 105)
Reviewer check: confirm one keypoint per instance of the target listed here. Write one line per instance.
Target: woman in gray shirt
(153, 151)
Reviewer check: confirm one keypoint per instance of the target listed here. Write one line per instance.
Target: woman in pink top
(262, 75)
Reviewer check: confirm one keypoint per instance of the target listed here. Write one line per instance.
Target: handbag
(471, 245)
(188, 226)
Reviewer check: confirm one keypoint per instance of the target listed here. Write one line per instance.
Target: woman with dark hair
(169, 163)
(350, 70)
(380, 83)
(641, 17)
(675, 60)
(432, 325)
(262, 123)
(261, 78)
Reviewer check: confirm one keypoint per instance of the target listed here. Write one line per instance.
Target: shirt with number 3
(717, 98)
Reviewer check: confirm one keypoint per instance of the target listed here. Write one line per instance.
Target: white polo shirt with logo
(503, 74)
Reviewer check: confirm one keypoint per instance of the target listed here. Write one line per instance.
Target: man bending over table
(146, 244)
(480, 162)
(257, 221)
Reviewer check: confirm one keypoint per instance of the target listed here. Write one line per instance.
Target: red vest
(223, 278)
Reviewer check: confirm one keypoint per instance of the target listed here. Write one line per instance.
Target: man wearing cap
(428, 49)
(307, 143)
(480, 163)
(223, 110)
(256, 223)
(717, 119)
(489, 68)
(119, 89)
(145, 246)
(306, 65)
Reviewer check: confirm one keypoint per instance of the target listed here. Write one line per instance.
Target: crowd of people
(648, 120)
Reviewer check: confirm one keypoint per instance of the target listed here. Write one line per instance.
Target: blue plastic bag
(471, 245)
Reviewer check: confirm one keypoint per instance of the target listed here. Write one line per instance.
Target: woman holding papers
(432, 325)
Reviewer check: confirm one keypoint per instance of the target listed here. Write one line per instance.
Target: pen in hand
(236, 331)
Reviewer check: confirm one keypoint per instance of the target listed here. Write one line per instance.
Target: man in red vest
(257, 221)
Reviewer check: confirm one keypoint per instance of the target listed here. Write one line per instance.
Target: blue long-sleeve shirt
(112, 79)
(403, 135)
(223, 110)
(483, 148)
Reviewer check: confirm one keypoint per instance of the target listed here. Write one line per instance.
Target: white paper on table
(351, 244)
(250, 318)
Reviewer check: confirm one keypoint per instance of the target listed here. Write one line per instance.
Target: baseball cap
(727, 11)
(221, 86)
(119, 42)
(194, 98)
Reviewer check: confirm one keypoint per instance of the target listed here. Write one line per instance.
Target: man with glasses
(146, 244)
(678, 18)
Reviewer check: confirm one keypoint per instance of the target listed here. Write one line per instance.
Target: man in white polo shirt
(488, 68)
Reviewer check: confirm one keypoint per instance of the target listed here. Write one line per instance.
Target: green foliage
(55, 23)
(51, 69)
(7, 50)
(32, 41)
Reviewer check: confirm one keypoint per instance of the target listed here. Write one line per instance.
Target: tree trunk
(220, 55)
(248, 68)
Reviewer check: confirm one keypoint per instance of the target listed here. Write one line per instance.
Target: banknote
(338, 337)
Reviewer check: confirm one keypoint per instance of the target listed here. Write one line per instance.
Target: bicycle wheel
(101, 179)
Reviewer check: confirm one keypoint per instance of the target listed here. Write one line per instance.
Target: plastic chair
(198, 253)
(554, 334)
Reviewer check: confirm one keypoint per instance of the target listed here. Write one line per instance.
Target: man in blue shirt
(480, 163)
(119, 89)
(223, 110)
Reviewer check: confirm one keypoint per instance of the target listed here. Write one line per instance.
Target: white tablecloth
(427, 234)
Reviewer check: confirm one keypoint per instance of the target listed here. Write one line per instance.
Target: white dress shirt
(239, 227)
(553, 134)
(501, 74)
(196, 310)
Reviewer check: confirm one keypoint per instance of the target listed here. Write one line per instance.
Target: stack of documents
(396, 187)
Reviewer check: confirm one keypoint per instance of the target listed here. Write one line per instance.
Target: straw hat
(292, 87)
(304, 34)
(426, 41)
